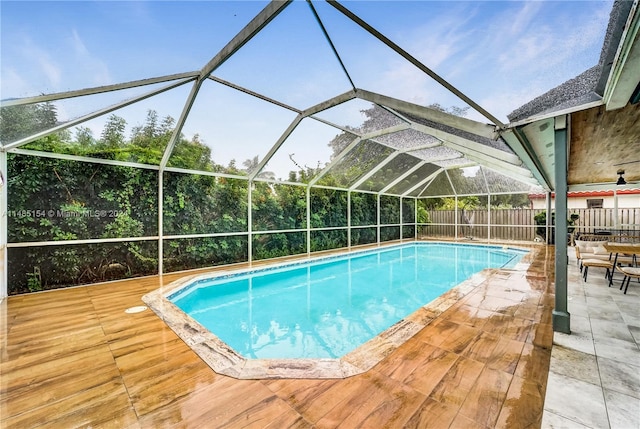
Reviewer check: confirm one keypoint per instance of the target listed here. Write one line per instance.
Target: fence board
(519, 224)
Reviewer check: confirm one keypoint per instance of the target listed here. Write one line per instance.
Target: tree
(84, 137)
(251, 165)
(17, 122)
(113, 132)
(367, 154)
(453, 110)
(508, 201)
(192, 154)
(56, 199)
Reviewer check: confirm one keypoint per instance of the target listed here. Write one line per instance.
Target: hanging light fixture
(621, 180)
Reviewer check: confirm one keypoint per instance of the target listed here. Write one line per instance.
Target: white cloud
(51, 70)
(41, 61)
(522, 18)
(88, 63)
(435, 44)
(439, 39)
(14, 84)
(78, 45)
(528, 51)
(45, 71)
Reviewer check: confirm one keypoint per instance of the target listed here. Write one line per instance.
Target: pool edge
(222, 359)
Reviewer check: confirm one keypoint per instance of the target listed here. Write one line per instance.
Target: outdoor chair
(629, 273)
(590, 250)
(596, 250)
(600, 263)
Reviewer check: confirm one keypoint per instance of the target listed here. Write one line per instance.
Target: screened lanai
(144, 144)
(268, 129)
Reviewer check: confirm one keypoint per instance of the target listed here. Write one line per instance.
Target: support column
(349, 220)
(308, 220)
(4, 275)
(160, 221)
(415, 218)
(378, 218)
(616, 216)
(488, 217)
(455, 213)
(401, 235)
(547, 224)
(249, 222)
(561, 317)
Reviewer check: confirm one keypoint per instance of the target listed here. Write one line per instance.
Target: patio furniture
(600, 263)
(629, 273)
(629, 254)
(588, 249)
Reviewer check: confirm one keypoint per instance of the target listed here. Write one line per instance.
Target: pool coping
(225, 360)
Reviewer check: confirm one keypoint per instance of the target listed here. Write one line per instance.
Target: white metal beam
(487, 160)
(247, 33)
(484, 155)
(421, 147)
(292, 126)
(414, 61)
(458, 122)
(93, 115)
(327, 104)
(426, 180)
(403, 176)
(98, 89)
(467, 145)
(336, 126)
(253, 93)
(386, 131)
(521, 147)
(335, 160)
(4, 268)
(360, 138)
(374, 170)
(180, 123)
(86, 159)
(263, 18)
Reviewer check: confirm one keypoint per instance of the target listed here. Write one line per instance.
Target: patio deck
(73, 358)
(594, 379)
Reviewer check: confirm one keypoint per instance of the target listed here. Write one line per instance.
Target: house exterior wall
(580, 202)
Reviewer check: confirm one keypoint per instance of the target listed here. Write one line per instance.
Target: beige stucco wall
(624, 202)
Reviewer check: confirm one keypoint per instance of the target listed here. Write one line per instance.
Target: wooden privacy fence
(519, 224)
(592, 220)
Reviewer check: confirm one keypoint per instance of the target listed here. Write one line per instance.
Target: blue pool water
(328, 307)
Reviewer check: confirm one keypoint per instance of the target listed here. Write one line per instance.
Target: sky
(501, 54)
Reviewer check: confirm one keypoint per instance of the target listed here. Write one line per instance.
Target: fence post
(455, 210)
(488, 217)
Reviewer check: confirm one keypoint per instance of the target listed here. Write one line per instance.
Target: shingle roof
(574, 92)
(589, 85)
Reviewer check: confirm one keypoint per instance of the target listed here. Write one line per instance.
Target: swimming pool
(318, 312)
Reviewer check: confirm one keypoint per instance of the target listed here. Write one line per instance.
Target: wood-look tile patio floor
(74, 358)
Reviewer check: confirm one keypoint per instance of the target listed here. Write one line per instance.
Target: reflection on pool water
(328, 307)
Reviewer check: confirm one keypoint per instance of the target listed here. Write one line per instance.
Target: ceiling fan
(620, 182)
